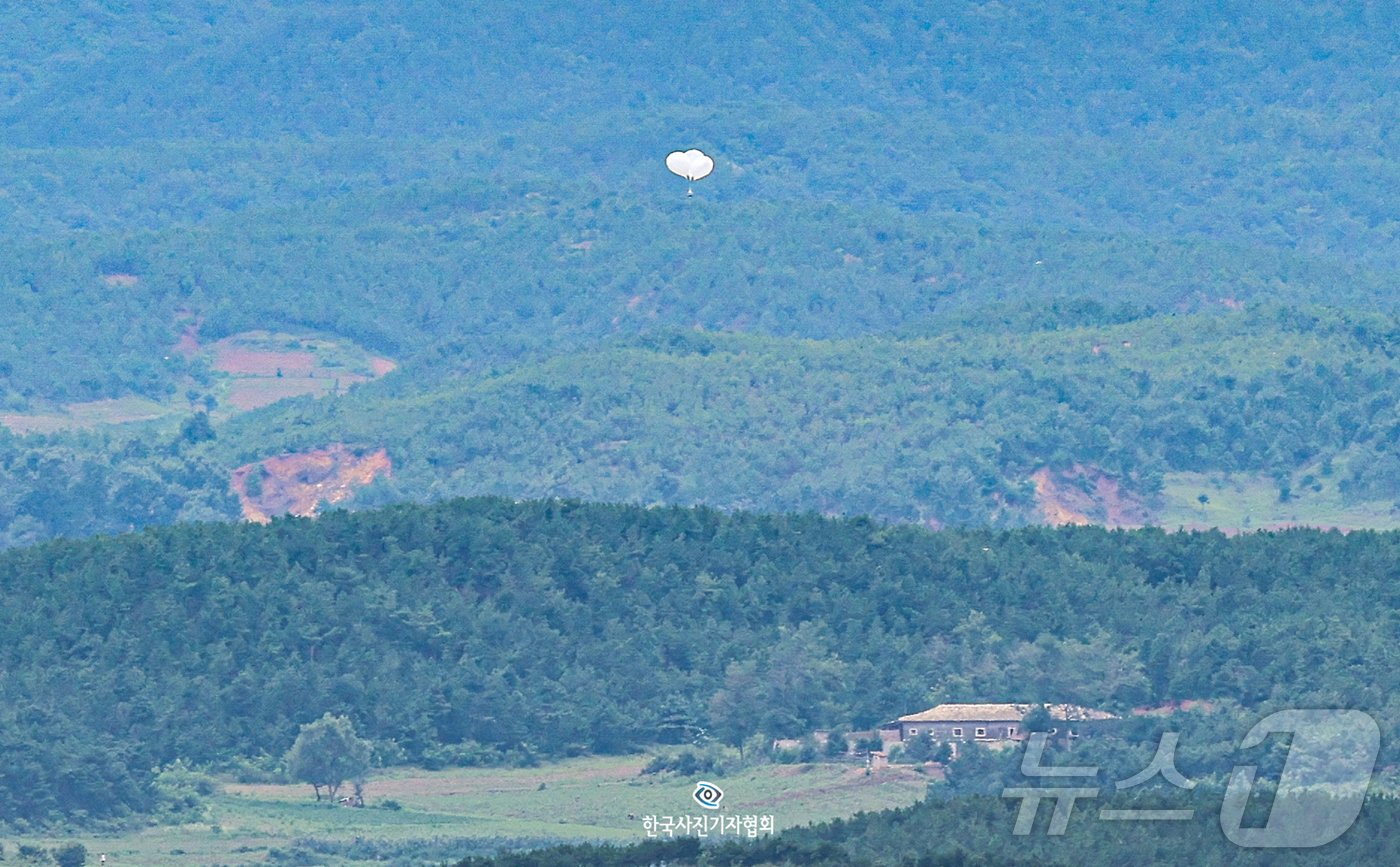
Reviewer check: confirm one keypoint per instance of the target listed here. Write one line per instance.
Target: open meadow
(417, 816)
(1242, 502)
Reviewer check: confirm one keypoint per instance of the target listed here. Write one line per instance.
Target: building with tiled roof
(992, 722)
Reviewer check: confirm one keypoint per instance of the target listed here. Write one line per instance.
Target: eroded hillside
(301, 484)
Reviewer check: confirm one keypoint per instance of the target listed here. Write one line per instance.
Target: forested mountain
(969, 265)
(479, 194)
(1129, 418)
(96, 483)
(947, 430)
(458, 186)
(487, 630)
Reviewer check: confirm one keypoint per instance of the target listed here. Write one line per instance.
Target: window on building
(1011, 731)
(957, 733)
(981, 733)
(913, 732)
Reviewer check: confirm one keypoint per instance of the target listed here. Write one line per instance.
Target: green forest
(419, 178)
(679, 474)
(930, 238)
(945, 429)
(495, 631)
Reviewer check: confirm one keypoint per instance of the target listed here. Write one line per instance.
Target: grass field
(265, 367)
(481, 809)
(83, 415)
(251, 369)
(1239, 501)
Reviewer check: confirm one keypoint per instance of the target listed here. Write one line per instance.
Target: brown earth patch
(1086, 495)
(122, 281)
(190, 322)
(1051, 501)
(296, 484)
(233, 357)
(264, 367)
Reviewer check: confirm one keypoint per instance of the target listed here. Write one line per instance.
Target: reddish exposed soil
(297, 484)
(234, 358)
(264, 368)
(260, 377)
(188, 344)
(1086, 495)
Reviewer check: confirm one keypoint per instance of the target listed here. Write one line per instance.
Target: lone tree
(327, 752)
(1037, 720)
(72, 855)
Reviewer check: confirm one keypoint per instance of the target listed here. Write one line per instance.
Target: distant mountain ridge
(961, 428)
(1275, 416)
(467, 186)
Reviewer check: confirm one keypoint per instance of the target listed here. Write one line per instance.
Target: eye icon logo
(707, 795)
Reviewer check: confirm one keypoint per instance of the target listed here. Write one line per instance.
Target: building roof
(1002, 713)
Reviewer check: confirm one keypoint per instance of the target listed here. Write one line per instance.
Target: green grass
(85, 415)
(337, 363)
(1241, 501)
(579, 799)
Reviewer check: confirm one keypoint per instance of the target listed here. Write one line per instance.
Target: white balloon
(691, 165)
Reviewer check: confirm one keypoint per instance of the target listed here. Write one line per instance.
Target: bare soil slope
(297, 484)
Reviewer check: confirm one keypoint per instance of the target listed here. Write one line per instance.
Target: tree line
(487, 631)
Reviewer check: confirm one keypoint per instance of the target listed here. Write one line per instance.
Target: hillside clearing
(252, 369)
(579, 799)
